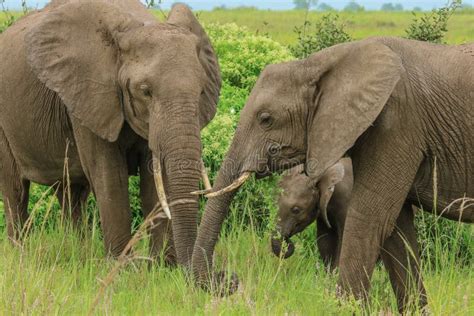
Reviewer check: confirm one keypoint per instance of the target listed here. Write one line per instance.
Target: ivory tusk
(237, 183)
(201, 192)
(205, 177)
(160, 188)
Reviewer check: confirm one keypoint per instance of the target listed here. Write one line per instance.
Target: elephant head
(113, 66)
(301, 203)
(309, 111)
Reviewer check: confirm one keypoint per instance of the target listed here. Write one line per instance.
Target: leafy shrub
(243, 55)
(313, 37)
(432, 26)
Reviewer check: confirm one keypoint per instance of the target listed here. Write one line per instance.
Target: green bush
(313, 37)
(243, 55)
(432, 26)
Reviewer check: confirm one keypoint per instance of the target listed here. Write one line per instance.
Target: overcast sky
(268, 4)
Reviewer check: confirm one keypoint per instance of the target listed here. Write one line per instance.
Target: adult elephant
(104, 82)
(401, 109)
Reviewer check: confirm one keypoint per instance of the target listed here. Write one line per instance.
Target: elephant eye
(265, 119)
(146, 90)
(295, 210)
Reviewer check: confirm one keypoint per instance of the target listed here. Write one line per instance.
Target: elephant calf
(301, 203)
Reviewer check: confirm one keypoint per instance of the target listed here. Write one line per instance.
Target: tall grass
(57, 270)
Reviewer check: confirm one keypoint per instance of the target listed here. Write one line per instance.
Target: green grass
(59, 271)
(280, 24)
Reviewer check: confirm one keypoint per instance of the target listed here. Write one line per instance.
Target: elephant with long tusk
(128, 93)
(402, 110)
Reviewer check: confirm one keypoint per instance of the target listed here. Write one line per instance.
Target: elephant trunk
(177, 149)
(282, 246)
(211, 223)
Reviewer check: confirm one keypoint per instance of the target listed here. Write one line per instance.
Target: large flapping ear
(182, 16)
(353, 83)
(326, 186)
(73, 51)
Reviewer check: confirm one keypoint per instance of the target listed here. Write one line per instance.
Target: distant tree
(398, 7)
(304, 4)
(391, 7)
(387, 7)
(221, 7)
(466, 6)
(353, 7)
(325, 7)
(417, 9)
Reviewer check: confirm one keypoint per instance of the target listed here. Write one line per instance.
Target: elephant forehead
(297, 191)
(149, 39)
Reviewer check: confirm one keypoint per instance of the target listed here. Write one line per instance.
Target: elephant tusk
(160, 188)
(237, 183)
(205, 180)
(201, 192)
(205, 177)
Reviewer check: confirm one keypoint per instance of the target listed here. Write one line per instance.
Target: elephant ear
(326, 186)
(182, 16)
(73, 52)
(353, 83)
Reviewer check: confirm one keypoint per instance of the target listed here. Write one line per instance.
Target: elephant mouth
(282, 249)
(280, 164)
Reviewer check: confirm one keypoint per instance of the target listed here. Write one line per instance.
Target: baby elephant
(301, 202)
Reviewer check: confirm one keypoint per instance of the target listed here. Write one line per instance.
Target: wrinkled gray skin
(111, 81)
(301, 203)
(398, 108)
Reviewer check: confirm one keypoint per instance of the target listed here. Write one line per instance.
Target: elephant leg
(73, 202)
(15, 191)
(327, 242)
(383, 179)
(15, 199)
(161, 242)
(401, 258)
(105, 166)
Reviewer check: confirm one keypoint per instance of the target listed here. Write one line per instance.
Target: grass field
(280, 25)
(59, 271)
(56, 271)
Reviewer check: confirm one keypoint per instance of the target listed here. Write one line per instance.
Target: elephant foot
(225, 284)
(222, 284)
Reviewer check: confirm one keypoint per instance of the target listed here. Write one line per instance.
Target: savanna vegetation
(60, 271)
